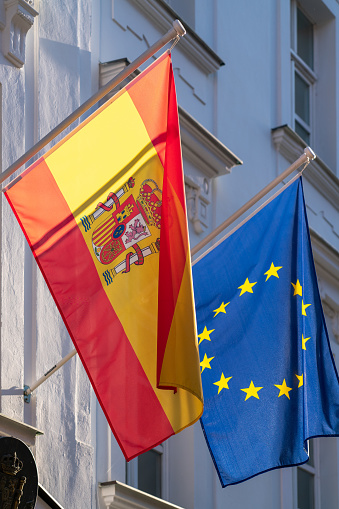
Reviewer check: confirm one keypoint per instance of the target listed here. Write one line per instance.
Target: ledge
(326, 259)
(192, 45)
(200, 146)
(117, 495)
(17, 429)
(290, 146)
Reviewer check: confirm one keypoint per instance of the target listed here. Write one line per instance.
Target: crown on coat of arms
(11, 464)
(150, 198)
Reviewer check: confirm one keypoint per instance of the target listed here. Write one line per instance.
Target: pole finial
(179, 28)
(309, 153)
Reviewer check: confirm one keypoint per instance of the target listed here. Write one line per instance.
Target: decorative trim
(19, 18)
(211, 158)
(303, 68)
(192, 45)
(117, 495)
(196, 206)
(108, 71)
(291, 146)
(326, 259)
(203, 149)
(12, 427)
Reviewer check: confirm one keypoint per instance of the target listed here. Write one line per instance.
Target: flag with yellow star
(268, 374)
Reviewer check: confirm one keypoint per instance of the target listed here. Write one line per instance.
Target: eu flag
(269, 378)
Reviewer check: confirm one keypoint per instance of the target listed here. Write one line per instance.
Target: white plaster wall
(66, 452)
(12, 255)
(240, 104)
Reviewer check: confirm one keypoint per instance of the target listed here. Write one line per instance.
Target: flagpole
(307, 156)
(175, 32)
(29, 389)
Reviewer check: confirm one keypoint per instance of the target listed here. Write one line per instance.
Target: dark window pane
(305, 490)
(304, 39)
(302, 98)
(302, 132)
(149, 473)
(311, 453)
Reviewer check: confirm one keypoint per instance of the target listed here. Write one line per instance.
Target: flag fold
(104, 214)
(268, 374)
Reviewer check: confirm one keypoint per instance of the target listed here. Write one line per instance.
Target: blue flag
(269, 378)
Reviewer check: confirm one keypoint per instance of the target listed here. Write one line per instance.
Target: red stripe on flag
(116, 374)
(150, 100)
(174, 235)
(172, 252)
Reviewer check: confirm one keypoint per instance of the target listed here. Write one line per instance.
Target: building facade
(256, 83)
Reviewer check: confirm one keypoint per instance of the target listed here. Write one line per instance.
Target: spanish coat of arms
(121, 223)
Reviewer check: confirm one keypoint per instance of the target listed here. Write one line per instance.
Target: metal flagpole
(307, 156)
(177, 31)
(29, 389)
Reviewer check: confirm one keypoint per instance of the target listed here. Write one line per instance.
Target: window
(307, 479)
(303, 75)
(146, 471)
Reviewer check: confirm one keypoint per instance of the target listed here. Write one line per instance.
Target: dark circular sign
(18, 475)
(119, 231)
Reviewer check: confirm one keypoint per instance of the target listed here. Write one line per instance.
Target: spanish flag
(104, 214)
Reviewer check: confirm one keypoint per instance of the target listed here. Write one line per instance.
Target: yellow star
(273, 271)
(301, 379)
(252, 391)
(304, 341)
(284, 390)
(298, 289)
(205, 363)
(205, 335)
(303, 308)
(246, 287)
(223, 382)
(220, 309)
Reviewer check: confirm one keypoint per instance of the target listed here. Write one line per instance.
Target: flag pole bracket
(29, 389)
(27, 395)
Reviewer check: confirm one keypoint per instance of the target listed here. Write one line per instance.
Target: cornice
(290, 146)
(17, 429)
(191, 44)
(117, 495)
(200, 146)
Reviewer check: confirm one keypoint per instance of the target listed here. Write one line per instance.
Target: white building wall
(239, 103)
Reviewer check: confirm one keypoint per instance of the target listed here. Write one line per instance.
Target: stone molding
(211, 158)
(17, 429)
(326, 259)
(291, 146)
(20, 16)
(203, 149)
(116, 495)
(161, 14)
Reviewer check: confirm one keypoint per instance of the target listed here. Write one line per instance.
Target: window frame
(132, 471)
(302, 69)
(313, 470)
